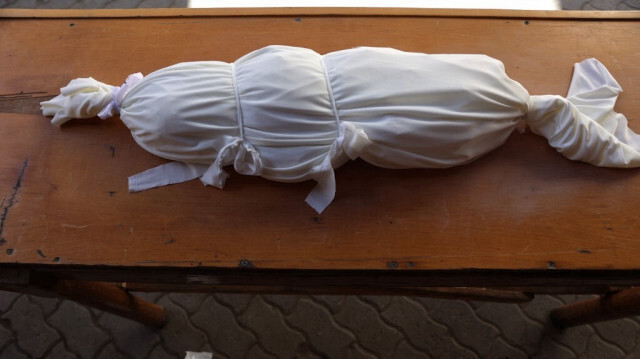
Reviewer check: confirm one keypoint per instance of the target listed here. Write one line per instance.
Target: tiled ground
(269, 326)
(274, 326)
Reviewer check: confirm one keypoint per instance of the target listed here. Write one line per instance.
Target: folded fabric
(290, 114)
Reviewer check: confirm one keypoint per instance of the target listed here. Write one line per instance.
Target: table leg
(109, 298)
(101, 295)
(614, 305)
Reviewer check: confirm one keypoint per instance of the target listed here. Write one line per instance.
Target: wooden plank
(521, 207)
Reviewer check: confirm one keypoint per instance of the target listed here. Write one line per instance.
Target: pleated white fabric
(290, 114)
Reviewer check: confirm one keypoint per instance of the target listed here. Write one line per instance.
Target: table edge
(595, 280)
(318, 11)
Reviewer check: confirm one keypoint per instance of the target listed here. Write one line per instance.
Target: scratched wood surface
(64, 191)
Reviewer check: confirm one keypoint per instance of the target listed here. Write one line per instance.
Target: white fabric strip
(325, 191)
(168, 173)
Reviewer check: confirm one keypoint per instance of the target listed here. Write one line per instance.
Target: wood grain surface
(64, 191)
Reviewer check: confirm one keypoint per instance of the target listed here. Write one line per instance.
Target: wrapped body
(290, 114)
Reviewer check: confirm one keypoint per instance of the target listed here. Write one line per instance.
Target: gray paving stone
(285, 303)
(122, 4)
(6, 333)
(322, 333)
(306, 352)
(206, 348)
(572, 4)
(333, 302)
(256, 352)
(128, 336)
(61, 352)
(365, 323)
(162, 3)
(628, 5)
(380, 302)
(238, 302)
(633, 354)
(518, 330)
(356, 351)
(90, 4)
(23, 4)
(575, 338)
(58, 4)
(421, 331)
(550, 349)
(33, 335)
(81, 336)
(110, 351)
(463, 324)
(160, 352)
(403, 350)
(598, 348)
(179, 335)
(188, 301)
(538, 309)
(48, 305)
(623, 333)
(600, 5)
(6, 299)
(223, 331)
(13, 352)
(268, 325)
(499, 348)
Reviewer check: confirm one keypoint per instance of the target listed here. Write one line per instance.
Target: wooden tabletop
(523, 207)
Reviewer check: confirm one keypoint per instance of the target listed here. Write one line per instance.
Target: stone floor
(277, 326)
(273, 326)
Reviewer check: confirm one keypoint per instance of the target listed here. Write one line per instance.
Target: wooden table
(521, 218)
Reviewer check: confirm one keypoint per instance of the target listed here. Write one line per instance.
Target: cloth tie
(118, 93)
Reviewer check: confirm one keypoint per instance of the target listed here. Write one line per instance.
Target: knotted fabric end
(87, 98)
(246, 160)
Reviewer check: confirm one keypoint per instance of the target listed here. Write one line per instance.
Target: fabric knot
(246, 160)
(117, 96)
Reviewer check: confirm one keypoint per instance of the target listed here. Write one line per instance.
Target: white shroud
(290, 114)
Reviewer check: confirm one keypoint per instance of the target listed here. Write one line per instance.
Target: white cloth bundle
(289, 114)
